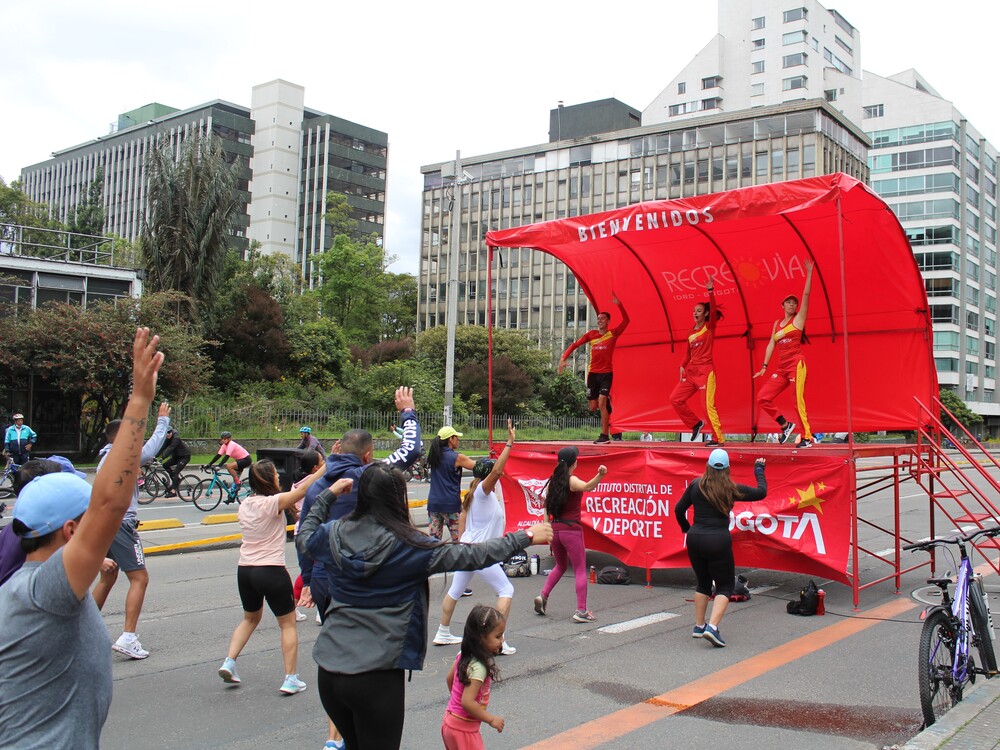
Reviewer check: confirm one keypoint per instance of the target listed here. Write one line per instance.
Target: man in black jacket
(176, 456)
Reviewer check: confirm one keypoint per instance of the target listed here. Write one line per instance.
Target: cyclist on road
(309, 442)
(240, 458)
(176, 456)
(19, 440)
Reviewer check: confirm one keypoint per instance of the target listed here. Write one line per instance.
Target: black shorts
(272, 583)
(242, 463)
(598, 384)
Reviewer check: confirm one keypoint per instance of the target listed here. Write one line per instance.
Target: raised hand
(146, 362)
(404, 398)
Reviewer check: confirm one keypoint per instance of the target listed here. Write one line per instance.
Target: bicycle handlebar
(957, 539)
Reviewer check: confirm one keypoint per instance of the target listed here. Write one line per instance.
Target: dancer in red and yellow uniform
(698, 372)
(602, 347)
(786, 337)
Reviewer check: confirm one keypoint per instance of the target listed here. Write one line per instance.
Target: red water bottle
(820, 602)
(593, 574)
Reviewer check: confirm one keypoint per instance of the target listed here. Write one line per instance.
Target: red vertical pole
(489, 347)
(843, 306)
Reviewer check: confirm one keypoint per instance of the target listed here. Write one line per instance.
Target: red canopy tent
(869, 324)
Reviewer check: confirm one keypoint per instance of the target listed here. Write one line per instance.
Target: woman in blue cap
(709, 541)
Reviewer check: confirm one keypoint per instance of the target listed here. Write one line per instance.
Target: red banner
(803, 526)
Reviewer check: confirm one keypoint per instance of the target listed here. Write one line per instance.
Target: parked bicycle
(154, 481)
(952, 629)
(7, 478)
(209, 492)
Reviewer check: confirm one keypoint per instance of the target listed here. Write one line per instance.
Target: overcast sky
(436, 76)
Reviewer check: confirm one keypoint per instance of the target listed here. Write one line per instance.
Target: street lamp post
(451, 311)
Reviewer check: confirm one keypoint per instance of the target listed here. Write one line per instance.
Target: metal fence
(265, 421)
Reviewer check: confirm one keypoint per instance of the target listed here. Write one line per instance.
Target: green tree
(471, 346)
(565, 395)
(254, 343)
(186, 230)
(951, 401)
(338, 214)
(88, 351)
(353, 288)
(373, 388)
(26, 223)
(89, 215)
(399, 309)
(319, 352)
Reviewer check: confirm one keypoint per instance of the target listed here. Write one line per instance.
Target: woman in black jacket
(709, 541)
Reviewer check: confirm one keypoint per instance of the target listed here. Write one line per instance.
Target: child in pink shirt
(470, 680)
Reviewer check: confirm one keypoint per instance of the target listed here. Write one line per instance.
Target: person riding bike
(239, 459)
(310, 442)
(176, 456)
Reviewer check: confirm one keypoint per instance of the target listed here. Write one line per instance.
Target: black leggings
(174, 467)
(711, 556)
(367, 708)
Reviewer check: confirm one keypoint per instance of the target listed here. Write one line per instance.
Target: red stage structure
(870, 364)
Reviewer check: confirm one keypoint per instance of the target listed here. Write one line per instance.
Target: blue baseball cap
(66, 465)
(49, 501)
(718, 459)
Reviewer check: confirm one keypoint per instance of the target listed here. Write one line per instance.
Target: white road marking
(621, 627)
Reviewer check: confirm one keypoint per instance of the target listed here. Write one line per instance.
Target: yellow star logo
(808, 498)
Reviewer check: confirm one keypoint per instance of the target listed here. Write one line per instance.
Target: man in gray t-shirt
(55, 665)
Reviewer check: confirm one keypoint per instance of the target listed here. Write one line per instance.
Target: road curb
(218, 542)
(160, 523)
(220, 518)
(936, 735)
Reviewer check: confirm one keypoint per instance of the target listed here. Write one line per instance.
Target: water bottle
(820, 602)
(536, 562)
(593, 574)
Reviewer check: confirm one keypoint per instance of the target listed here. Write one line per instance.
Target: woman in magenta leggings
(562, 508)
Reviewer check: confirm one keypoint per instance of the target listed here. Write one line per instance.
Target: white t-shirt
(485, 518)
(263, 526)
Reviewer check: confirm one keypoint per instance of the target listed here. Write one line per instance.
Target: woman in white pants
(482, 518)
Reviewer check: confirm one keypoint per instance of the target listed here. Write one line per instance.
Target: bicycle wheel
(981, 624)
(187, 484)
(207, 494)
(938, 693)
(150, 489)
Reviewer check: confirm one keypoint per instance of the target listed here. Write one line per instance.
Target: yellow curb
(220, 518)
(189, 545)
(160, 523)
(417, 503)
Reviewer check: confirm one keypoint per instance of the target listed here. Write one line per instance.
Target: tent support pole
(489, 348)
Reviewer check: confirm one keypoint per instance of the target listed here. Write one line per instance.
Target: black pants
(711, 555)
(174, 467)
(367, 708)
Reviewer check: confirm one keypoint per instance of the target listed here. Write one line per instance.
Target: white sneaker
(132, 649)
(292, 685)
(507, 650)
(445, 638)
(300, 616)
(319, 620)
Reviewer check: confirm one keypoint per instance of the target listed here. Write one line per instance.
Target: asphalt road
(845, 680)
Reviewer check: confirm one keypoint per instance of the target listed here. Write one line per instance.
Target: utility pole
(451, 313)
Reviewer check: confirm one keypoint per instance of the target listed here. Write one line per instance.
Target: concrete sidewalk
(974, 724)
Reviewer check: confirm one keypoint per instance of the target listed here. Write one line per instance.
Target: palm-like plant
(187, 225)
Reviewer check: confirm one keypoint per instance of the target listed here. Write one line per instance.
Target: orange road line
(617, 724)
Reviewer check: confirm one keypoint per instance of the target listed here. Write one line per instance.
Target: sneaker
(228, 672)
(602, 439)
(334, 745)
(132, 649)
(698, 631)
(582, 615)
(319, 620)
(467, 592)
(507, 650)
(446, 638)
(292, 685)
(300, 616)
(696, 430)
(714, 443)
(540, 603)
(786, 432)
(805, 444)
(713, 635)
(616, 436)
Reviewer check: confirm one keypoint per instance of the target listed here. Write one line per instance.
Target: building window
(794, 37)
(714, 103)
(757, 67)
(843, 45)
(797, 82)
(681, 87)
(831, 95)
(873, 110)
(796, 14)
(790, 61)
(711, 82)
(757, 89)
(757, 44)
(758, 23)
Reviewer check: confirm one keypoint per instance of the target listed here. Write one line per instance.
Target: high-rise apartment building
(939, 175)
(600, 171)
(289, 158)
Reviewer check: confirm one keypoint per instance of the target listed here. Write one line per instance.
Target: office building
(285, 170)
(599, 171)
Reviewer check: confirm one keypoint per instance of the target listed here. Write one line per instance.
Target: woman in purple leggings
(562, 508)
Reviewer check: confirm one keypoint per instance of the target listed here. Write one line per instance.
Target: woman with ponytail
(562, 509)
(709, 541)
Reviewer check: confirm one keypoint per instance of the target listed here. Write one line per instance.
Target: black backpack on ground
(615, 574)
(807, 603)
